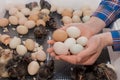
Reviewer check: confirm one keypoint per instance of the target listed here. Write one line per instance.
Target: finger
(57, 57)
(68, 25)
(91, 60)
(53, 54)
(68, 58)
(88, 51)
(50, 41)
(49, 50)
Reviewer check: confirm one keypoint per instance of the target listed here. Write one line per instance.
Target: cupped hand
(85, 31)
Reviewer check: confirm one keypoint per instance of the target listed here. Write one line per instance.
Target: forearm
(108, 11)
(95, 25)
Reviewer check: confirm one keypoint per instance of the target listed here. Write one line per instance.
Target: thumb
(86, 53)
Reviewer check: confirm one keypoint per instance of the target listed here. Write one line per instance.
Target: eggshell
(33, 17)
(86, 18)
(53, 8)
(37, 8)
(87, 12)
(73, 32)
(76, 48)
(22, 20)
(13, 11)
(21, 50)
(46, 11)
(13, 20)
(30, 24)
(60, 10)
(33, 67)
(40, 22)
(85, 7)
(41, 55)
(77, 13)
(22, 30)
(14, 42)
(30, 44)
(76, 19)
(67, 12)
(19, 15)
(4, 22)
(82, 40)
(59, 35)
(5, 39)
(25, 11)
(34, 56)
(66, 20)
(69, 42)
(60, 48)
(34, 12)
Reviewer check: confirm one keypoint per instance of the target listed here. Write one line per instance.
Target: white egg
(85, 18)
(67, 20)
(76, 48)
(13, 11)
(82, 40)
(46, 11)
(14, 42)
(22, 20)
(19, 15)
(21, 50)
(41, 55)
(25, 11)
(69, 42)
(37, 8)
(60, 48)
(60, 10)
(73, 32)
(34, 12)
(30, 44)
(53, 8)
(29, 24)
(22, 30)
(33, 67)
(78, 13)
(87, 12)
(76, 19)
(13, 20)
(34, 56)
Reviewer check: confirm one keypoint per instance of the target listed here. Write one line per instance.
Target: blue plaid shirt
(108, 11)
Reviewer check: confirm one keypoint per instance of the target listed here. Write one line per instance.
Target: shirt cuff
(116, 40)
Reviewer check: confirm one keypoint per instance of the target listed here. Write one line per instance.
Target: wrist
(106, 39)
(95, 25)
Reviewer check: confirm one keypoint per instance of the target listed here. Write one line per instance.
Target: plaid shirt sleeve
(108, 11)
(116, 40)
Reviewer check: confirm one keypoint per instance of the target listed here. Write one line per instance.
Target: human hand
(85, 31)
(90, 54)
(84, 28)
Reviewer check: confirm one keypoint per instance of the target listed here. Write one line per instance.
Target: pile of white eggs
(74, 43)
